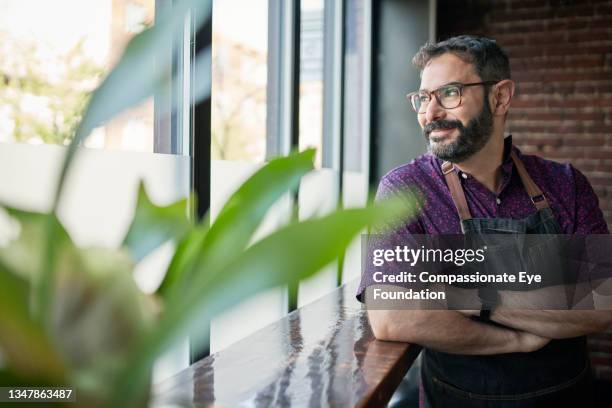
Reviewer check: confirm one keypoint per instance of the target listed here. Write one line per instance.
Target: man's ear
(502, 94)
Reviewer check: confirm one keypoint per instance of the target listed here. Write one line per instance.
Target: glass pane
(311, 76)
(354, 91)
(239, 72)
(238, 115)
(53, 58)
(356, 122)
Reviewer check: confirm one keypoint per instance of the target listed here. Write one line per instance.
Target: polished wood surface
(323, 354)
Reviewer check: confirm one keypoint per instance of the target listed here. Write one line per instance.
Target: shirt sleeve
(589, 218)
(390, 234)
(387, 188)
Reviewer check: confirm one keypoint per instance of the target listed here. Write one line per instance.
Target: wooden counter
(323, 354)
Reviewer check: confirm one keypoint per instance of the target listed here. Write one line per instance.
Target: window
(51, 60)
(239, 72)
(311, 77)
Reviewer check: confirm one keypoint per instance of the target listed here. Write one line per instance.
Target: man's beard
(471, 138)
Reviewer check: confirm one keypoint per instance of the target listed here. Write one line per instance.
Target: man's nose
(434, 111)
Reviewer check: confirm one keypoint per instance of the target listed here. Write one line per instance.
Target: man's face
(458, 133)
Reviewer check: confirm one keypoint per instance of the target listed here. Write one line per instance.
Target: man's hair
(490, 61)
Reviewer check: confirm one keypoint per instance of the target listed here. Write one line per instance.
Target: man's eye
(450, 92)
(423, 98)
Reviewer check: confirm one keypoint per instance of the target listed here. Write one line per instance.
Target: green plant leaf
(23, 255)
(153, 225)
(183, 259)
(26, 349)
(42, 240)
(285, 257)
(238, 219)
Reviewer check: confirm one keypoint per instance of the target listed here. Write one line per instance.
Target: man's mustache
(441, 124)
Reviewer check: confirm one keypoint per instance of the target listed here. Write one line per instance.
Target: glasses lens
(449, 96)
(419, 102)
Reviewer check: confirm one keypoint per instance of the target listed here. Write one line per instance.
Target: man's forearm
(449, 331)
(554, 324)
(541, 312)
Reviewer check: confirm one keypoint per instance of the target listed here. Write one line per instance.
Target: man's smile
(438, 135)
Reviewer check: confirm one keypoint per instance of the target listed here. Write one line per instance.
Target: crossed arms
(454, 331)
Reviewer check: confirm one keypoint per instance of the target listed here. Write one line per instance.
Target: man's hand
(531, 342)
(555, 324)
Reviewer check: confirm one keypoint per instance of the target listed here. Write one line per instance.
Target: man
(475, 181)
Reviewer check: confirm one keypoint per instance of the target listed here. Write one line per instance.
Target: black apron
(556, 375)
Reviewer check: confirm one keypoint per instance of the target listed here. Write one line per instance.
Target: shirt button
(464, 175)
(498, 201)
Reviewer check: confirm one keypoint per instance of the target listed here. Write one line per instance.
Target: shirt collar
(507, 163)
(506, 159)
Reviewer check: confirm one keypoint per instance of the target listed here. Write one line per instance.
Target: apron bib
(556, 375)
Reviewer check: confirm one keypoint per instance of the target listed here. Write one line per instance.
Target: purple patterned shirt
(571, 197)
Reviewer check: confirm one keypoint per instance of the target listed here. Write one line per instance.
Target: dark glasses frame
(413, 96)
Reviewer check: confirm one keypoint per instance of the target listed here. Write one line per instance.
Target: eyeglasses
(448, 96)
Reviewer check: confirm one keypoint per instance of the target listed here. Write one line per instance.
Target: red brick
(601, 192)
(604, 9)
(522, 27)
(571, 103)
(566, 155)
(602, 88)
(522, 4)
(585, 116)
(574, 77)
(589, 36)
(599, 154)
(547, 38)
(586, 61)
(525, 52)
(541, 62)
(603, 167)
(586, 166)
(606, 205)
(601, 23)
(601, 181)
(573, 11)
(559, 63)
(559, 25)
(527, 103)
(583, 141)
(573, 50)
(510, 39)
(521, 15)
(540, 141)
(562, 128)
(599, 358)
(537, 117)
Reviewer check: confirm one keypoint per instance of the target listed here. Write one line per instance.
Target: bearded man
(474, 180)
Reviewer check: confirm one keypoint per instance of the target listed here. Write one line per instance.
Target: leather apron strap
(536, 195)
(458, 196)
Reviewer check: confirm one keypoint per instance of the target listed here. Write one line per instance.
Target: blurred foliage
(239, 101)
(44, 100)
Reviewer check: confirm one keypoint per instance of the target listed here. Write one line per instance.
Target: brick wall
(561, 57)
